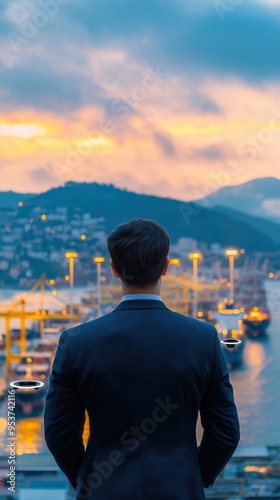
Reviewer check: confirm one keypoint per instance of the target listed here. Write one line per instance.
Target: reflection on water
(3, 430)
(29, 435)
(256, 357)
(256, 383)
(29, 432)
(248, 383)
(256, 390)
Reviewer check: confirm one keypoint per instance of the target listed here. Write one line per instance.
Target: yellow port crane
(175, 293)
(18, 310)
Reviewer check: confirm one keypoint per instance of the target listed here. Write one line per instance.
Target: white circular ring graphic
(36, 384)
(232, 344)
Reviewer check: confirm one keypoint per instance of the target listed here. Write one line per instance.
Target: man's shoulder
(194, 324)
(184, 324)
(91, 326)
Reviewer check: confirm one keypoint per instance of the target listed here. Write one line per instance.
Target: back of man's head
(138, 249)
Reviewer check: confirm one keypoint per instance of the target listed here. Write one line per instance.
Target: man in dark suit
(143, 372)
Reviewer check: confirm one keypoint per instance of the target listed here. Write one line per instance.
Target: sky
(173, 98)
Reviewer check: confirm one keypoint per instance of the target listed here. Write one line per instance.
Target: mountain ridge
(178, 217)
(258, 197)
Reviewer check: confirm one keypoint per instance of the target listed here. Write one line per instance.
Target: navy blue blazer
(143, 372)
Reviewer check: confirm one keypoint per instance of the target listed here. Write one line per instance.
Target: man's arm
(219, 420)
(64, 415)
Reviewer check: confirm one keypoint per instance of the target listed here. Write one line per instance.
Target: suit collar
(140, 304)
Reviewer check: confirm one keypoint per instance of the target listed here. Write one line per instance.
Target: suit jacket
(143, 372)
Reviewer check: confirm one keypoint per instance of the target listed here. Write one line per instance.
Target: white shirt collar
(137, 296)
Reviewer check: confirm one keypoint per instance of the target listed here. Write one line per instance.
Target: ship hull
(256, 329)
(234, 356)
(229, 327)
(28, 401)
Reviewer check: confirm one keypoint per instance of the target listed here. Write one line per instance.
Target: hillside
(270, 228)
(9, 199)
(179, 218)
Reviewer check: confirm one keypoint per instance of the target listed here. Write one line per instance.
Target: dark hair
(138, 249)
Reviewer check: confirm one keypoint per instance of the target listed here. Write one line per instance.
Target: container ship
(255, 322)
(250, 291)
(32, 366)
(229, 326)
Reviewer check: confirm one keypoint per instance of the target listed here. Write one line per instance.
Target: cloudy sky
(167, 97)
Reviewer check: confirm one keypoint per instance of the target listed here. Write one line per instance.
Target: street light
(98, 261)
(231, 253)
(176, 263)
(195, 258)
(71, 256)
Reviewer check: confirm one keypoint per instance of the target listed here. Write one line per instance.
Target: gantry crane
(175, 293)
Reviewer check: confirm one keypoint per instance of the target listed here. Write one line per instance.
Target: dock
(252, 472)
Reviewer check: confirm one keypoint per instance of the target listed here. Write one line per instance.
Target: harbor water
(255, 383)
